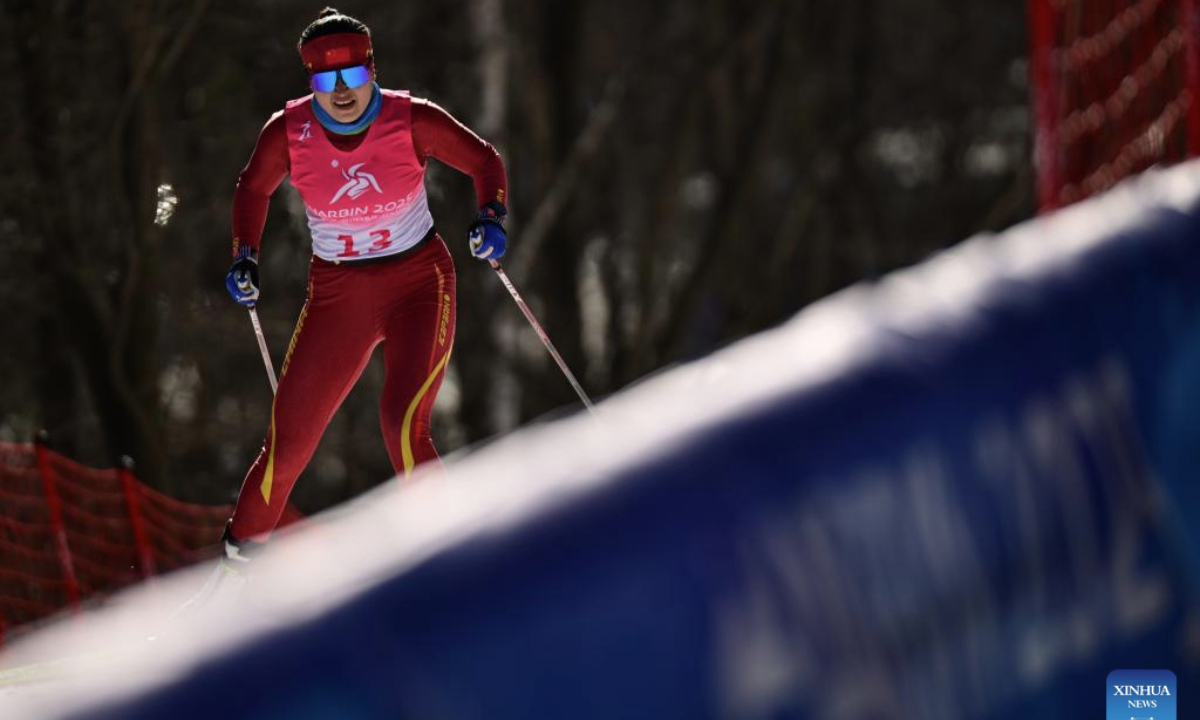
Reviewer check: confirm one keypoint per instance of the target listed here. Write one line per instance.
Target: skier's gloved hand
(486, 234)
(242, 280)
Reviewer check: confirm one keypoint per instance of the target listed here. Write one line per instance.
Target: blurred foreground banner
(967, 491)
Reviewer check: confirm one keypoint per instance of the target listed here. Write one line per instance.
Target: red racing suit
(380, 273)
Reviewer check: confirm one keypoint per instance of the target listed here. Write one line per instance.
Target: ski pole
(262, 345)
(537, 328)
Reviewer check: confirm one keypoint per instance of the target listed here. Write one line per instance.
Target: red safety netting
(1115, 88)
(70, 533)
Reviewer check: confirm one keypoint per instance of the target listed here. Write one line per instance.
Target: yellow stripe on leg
(405, 431)
(269, 475)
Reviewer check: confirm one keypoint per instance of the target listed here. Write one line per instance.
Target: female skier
(380, 273)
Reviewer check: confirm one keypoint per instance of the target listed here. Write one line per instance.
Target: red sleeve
(267, 168)
(437, 134)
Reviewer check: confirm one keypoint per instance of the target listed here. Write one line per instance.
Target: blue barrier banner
(967, 491)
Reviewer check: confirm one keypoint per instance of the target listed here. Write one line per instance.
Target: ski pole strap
(537, 328)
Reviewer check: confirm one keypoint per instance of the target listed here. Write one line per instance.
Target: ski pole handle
(262, 346)
(537, 328)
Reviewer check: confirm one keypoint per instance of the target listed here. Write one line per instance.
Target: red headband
(333, 52)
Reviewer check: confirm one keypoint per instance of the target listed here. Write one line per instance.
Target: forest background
(682, 174)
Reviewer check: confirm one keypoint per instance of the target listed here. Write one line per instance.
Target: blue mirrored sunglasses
(352, 76)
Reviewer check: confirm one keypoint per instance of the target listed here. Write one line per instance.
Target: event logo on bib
(1141, 695)
(357, 183)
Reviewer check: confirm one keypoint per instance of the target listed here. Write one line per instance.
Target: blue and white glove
(486, 234)
(242, 280)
